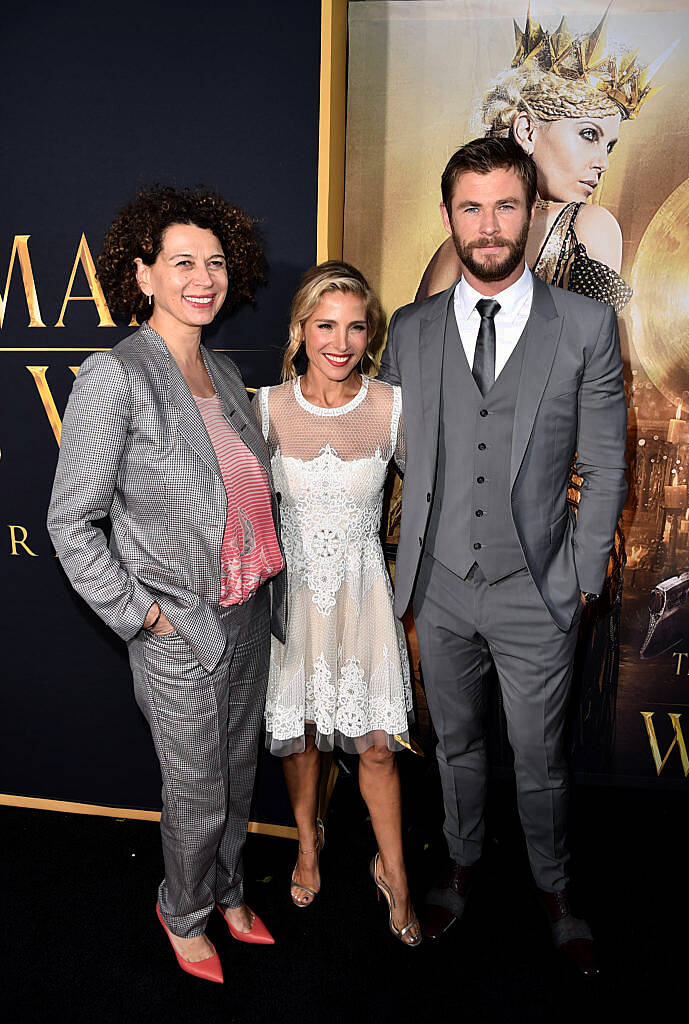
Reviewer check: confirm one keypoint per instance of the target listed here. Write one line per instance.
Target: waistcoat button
(481, 447)
(477, 546)
(484, 412)
(479, 512)
(480, 479)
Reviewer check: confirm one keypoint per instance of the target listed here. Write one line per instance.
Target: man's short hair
(485, 155)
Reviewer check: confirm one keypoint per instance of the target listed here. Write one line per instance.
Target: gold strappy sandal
(320, 843)
(382, 887)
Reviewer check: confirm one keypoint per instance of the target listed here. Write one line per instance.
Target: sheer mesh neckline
(339, 410)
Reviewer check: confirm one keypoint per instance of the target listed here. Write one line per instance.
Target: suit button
(480, 479)
(484, 412)
(428, 496)
(481, 447)
(477, 546)
(478, 512)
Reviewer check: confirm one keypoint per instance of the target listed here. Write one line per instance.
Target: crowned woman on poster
(563, 100)
(341, 677)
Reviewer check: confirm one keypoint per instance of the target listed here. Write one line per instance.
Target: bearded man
(504, 378)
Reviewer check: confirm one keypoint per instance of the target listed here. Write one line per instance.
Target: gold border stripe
(265, 829)
(331, 130)
(68, 807)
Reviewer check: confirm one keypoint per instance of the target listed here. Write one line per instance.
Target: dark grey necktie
(483, 370)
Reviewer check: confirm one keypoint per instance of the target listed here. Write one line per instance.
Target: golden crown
(587, 58)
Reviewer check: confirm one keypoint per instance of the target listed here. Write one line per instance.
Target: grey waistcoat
(471, 518)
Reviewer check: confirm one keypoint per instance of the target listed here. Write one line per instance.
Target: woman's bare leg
(379, 783)
(302, 772)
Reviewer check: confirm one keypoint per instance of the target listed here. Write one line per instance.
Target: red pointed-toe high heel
(258, 932)
(209, 969)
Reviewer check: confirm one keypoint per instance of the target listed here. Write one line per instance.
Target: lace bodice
(344, 664)
(368, 426)
(332, 490)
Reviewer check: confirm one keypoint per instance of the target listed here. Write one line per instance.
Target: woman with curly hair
(159, 436)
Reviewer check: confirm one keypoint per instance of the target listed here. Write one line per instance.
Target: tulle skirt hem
(327, 742)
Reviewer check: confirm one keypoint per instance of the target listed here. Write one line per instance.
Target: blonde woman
(342, 676)
(563, 100)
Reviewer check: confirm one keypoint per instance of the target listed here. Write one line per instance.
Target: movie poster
(612, 222)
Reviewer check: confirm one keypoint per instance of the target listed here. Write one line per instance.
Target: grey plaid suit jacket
(134, 447)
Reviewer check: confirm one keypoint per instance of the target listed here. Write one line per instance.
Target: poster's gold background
(416, 73)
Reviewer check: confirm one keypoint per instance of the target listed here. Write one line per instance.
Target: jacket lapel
(236, 409)
(431, 352)
(542, 332)
(233, 401)
(190, 425)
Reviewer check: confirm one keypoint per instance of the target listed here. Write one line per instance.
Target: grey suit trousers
(205, 728)
(461, 624)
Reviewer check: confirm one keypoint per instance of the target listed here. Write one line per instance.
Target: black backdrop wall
(99, 99)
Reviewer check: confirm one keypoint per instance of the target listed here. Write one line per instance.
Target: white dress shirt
(510, 320)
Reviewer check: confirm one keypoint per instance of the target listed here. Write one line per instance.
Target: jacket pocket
(560, 388)
(558, 528)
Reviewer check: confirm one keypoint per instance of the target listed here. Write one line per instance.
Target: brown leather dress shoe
(571, 934)
(445, 902)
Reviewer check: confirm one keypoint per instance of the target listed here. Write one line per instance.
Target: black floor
(82, 943)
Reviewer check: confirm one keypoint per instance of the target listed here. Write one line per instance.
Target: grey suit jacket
(571, 398)
(134, 447)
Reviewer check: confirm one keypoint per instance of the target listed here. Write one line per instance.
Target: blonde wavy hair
(332, 276)
(541, 94)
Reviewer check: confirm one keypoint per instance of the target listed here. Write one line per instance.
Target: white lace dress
(343, 672)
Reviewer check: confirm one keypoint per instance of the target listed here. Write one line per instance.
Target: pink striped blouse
(250, 550)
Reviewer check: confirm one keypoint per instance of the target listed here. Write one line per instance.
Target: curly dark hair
(138, 229)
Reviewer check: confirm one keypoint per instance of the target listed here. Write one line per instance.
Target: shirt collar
(511, 299)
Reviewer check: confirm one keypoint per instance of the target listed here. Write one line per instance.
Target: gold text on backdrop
(83, 258)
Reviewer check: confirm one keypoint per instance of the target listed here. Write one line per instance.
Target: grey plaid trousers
(205, 728)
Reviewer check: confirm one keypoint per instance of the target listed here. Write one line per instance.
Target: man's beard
(493, 270)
